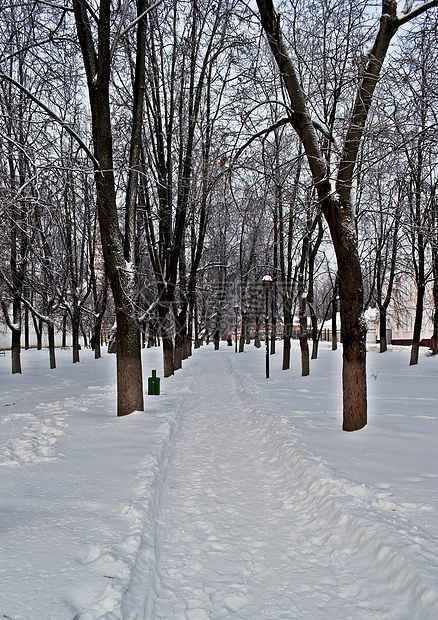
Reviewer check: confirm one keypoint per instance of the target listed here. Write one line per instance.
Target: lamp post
(236, 309)
(267, 281)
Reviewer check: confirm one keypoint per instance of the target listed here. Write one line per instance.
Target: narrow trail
(242, 531)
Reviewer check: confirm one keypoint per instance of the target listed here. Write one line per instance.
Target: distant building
(401, 314)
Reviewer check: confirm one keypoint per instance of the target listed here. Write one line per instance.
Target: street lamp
(267, 281)
(236, 310)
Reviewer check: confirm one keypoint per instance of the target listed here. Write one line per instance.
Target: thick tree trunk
(336, 207)
(168, 351)
(353, 328)
(129, 370)
(16, 351)
(119, 254)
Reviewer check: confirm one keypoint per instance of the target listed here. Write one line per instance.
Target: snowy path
(229, 497)
(246, 530)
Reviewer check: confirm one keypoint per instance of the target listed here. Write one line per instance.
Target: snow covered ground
(230, 496)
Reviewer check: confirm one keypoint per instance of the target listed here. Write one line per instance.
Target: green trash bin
(154, 384)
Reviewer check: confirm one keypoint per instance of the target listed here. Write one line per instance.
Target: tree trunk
(257, 341)
(51, 339)
(38, 327)
(286, 350)
(287, 334)
(435, 285)
(353, 335)
(181, 334)
(119, 253)
(167, 339)
(168, 355)
(383, 331)
(16, 337)
(334, 316)
(273, 321)
(97, 332)
(418, 322)
(314, 332)
(75, 328)
(129, 370)
(435, 325)
(16, 351)
(337, 207)
(64, 330)
(304, 344)
(247, 333)
(216, 338)
(178, 352)
(26, 329)
(242, 333)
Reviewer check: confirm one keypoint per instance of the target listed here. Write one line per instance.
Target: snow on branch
(406, 14)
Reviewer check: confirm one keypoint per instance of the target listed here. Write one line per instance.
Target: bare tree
(335, 198)
(184, 48)
(94, 33)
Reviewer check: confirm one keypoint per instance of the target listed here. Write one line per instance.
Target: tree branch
(416, 12)
(52, 115)
(131, 25)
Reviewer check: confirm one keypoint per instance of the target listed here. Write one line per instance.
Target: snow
(230, 496)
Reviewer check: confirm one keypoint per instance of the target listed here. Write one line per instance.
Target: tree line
(158, 159)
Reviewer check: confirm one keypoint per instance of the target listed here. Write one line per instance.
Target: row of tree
(200, 160)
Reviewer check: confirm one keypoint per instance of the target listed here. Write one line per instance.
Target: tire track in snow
(247, 527)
